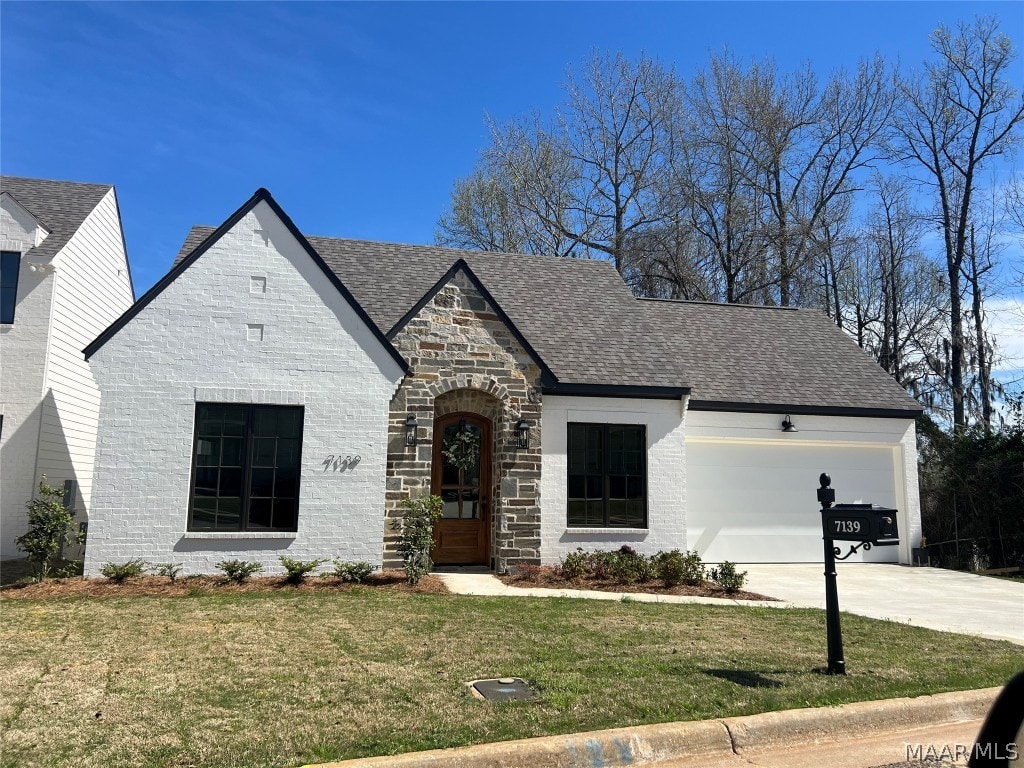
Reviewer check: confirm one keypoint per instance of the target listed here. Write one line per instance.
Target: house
(281, 394)
(64, 277)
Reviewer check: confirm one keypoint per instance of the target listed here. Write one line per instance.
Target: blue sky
(357, 117)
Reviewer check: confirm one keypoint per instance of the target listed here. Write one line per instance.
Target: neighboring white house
(64, 277)
(277, 394)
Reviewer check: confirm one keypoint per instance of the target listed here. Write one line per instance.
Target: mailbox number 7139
(847, 526)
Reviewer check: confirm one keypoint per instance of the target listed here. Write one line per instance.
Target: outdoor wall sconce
(410, 431)
(788, 425)
(522, 434)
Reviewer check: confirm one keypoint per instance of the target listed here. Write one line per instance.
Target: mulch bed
(158, 586)
(548, 578)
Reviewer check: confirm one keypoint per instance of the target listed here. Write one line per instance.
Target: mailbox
(861, 522)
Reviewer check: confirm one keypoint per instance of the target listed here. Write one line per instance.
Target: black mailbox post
(866, 524)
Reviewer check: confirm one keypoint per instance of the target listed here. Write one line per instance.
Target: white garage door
(753, 502)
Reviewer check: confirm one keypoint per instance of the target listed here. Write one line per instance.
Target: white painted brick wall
(22, 371)
(192, 343)
(666, 482)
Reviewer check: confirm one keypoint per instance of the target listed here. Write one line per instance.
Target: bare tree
(807, 144)
(952, 119)
(715, 179)
(587, 183)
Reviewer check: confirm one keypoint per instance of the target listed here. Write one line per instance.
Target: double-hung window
(245, 468)
(607, 482)
(10, 267)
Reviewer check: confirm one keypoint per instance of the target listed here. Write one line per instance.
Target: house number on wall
(340, 464)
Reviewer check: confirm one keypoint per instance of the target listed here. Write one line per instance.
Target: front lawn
(285, 677)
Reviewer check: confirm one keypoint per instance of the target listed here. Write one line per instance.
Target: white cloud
(1006, 323)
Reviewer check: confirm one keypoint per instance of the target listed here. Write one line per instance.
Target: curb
(649, 744)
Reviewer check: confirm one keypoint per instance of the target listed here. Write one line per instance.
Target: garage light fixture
(788, 425)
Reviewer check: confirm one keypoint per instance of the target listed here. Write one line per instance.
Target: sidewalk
(860, 735)
(488, 584)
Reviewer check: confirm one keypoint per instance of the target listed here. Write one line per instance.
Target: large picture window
(607, 476)
(245, 472)
(10, 267)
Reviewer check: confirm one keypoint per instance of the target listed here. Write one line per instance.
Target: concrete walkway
(488, 584)
(949, 601)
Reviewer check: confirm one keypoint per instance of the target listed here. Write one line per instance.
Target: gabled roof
(60, 206)
(598, 339)
(261, 196)
(461, 266)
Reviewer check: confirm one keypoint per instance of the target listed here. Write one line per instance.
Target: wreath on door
(462, 449)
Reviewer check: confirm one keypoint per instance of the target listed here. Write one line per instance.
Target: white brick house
(281, 394)
(65, 278)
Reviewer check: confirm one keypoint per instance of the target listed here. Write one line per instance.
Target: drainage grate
(503, 689)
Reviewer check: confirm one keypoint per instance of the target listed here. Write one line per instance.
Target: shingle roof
(590, 329)
(60, 206)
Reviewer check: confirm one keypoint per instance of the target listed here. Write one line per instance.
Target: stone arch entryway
(467, 427)
(464, 358)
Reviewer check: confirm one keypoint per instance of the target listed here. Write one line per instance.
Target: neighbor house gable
(261, 196)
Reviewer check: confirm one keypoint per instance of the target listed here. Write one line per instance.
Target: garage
(750, 497)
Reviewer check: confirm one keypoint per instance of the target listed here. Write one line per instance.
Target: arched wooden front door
(462, 478)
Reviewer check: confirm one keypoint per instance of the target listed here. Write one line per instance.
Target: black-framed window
(246, 462)
(607, 476)
(10, 267)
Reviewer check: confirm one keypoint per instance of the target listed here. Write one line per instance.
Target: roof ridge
(97, 184)
(456, 252)
(715, 303)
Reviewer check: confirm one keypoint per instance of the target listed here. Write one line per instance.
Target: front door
(462, 478)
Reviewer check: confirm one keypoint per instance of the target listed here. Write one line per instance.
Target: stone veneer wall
(464, 358)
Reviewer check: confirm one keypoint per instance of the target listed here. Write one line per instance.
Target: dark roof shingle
(60, 206)
(590, 329)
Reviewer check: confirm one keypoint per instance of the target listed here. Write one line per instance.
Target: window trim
(243, 518)
(605, 481)
(17, 279)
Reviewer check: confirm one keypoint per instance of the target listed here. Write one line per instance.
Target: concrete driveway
(950, 601)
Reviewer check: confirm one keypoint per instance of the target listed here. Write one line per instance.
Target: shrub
(298, 570)
(601, 564)
(628, 566)
(238, 570)
(575, 565)
(50, 524)
(352, 573)
(417, 535)
(529, 572)
(727, 578)
(675, 568)
(170, 570)
(119, 572)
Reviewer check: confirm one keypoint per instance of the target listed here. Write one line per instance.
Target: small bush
(575, 565)
(529, 572)
(630, 567)
(170, 570)
(50, 525)
(238, 570)
(602, 564)
(298, 570)
(675, 568)
(119, 572)
(417, 535)
(727, 578)
(352, 573)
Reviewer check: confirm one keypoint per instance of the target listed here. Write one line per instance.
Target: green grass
(284, 678)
